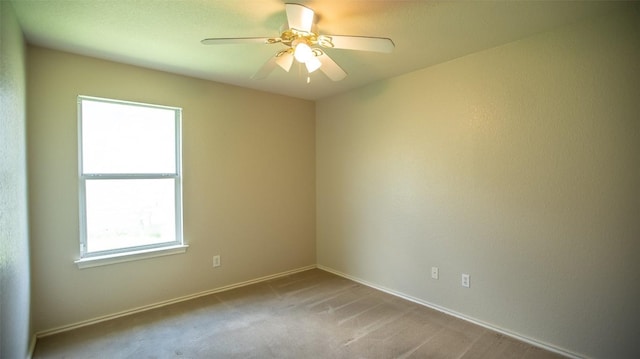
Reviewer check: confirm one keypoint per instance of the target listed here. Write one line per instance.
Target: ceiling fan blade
(266, 69)
(299, 17)
(285, 60)
(330, 68)
(362, 43)
(235, 41)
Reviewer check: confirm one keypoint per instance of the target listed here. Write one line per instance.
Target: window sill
(129, 256)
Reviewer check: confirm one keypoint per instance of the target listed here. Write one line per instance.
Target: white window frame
(97, 258)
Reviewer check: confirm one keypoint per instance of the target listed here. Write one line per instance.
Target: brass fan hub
(291, 37)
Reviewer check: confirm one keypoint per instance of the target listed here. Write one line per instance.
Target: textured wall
(249, 187)
(519, 165)
(14, 237)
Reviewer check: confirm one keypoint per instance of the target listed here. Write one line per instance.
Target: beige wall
(14, 235)
(249, 187)
(518, 165)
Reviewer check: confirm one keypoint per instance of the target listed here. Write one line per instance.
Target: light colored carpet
(312, 314)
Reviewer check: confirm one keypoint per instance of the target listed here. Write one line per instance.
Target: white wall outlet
(216, 261)
(434, 272)
(466, 280)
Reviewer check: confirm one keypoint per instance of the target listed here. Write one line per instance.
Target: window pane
(122, 138)
(126, 213)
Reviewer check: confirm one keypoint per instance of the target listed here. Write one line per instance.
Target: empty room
(319, 179)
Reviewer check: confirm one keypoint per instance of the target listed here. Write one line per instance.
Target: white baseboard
(503, 331)
(32, 346)
(144, 308)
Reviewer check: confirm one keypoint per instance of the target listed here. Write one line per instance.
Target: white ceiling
(166, 34)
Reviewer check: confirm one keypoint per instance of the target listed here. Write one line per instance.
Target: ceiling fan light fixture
(302, 52)
(299, 36)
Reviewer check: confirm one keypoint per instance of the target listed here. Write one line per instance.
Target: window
(130, 180)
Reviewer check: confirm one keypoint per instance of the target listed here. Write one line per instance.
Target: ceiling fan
(305, 45)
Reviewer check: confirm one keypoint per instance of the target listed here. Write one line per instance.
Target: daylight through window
(130, 178)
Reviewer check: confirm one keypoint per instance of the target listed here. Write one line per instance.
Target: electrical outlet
(216, 261)
(434, 272)
(466, 280)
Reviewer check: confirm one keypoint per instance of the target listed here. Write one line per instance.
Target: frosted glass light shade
(313, 64)
(302, 53)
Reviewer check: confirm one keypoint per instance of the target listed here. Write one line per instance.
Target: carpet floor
(312, 314)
